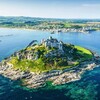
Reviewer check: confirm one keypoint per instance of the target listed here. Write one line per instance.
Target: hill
(50, 54)
(51, 60)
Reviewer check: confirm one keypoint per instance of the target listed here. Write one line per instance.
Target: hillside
(50, 54)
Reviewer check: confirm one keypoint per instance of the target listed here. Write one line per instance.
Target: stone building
(51, 42)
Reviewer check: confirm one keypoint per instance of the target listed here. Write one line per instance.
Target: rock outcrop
(58, 77)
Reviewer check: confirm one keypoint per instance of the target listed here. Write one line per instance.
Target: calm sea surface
(88, 88)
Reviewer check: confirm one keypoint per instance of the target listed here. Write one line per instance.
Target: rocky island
(50, 60)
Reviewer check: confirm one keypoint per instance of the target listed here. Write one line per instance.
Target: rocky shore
(57, 77)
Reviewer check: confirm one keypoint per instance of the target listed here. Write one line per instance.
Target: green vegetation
(46, 23)
(67, 25)
(58, 62)
(38, 66)
(35, 66)
(86, 51)
(87, 54)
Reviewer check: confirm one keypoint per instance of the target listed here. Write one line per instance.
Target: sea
(87, 88)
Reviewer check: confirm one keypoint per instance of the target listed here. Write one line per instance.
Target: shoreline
(46, 30)
(57, 77)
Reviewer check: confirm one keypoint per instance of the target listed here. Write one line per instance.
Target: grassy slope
(36, 66)
(39, 65)
(85, 52)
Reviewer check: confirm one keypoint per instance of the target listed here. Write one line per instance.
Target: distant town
(52, 25)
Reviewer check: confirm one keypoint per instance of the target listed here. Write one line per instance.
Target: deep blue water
(88, 88)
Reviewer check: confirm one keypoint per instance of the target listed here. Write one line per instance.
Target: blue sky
(51, 8)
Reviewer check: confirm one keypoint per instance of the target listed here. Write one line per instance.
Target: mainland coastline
(53, 31)
(50, 25)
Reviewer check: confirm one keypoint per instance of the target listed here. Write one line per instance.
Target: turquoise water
(88, 88)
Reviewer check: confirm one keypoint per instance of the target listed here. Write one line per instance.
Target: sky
(51, 8)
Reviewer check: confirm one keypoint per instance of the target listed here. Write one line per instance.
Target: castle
(51, 42)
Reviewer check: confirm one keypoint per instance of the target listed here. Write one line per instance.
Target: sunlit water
(88, 88)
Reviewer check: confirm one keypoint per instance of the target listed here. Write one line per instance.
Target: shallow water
(88, 88)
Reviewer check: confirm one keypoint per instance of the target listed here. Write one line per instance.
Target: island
(51, 60)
